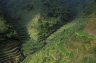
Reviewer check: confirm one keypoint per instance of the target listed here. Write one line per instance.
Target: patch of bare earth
(91, 26)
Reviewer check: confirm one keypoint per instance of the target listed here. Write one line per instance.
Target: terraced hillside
(10, 51)
(48, 31)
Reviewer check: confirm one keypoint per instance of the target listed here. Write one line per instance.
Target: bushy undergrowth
(67, 45)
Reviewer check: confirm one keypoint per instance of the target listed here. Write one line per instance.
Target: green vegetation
(48, 31)
(9, 43)
(89, 9)
(49, 18)
(3, 26)
(70, 44)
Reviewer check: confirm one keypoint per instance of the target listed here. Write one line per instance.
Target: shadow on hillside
(19, 13)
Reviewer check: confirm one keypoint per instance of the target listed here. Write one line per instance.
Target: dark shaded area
(18, 14)
(90, 9)
(10, 45)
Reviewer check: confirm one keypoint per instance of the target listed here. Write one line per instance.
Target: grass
(70, 44)
(3, 26)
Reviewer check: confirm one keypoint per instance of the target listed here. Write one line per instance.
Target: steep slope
(10, 50)
(35, 19)
(22, 15)
(72, 43)
(39, 19)
(50, 18)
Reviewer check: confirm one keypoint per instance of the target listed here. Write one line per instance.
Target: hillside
(48, 31)
(72, 43)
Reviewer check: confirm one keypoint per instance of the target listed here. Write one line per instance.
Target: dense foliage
(47, 29)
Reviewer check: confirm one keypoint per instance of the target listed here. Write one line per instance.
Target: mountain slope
(53, 31)
(72, 43)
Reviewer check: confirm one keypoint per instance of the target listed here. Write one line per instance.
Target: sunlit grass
(70, 44)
